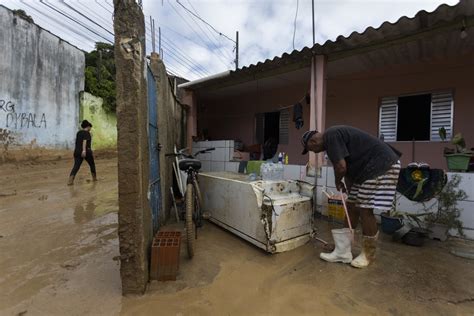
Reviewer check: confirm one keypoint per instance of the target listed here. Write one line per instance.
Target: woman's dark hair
(86, 124)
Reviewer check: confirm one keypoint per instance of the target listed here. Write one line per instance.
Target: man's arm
(84, 152)
(340, 169)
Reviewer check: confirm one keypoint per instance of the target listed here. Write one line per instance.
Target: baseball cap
(304, 140)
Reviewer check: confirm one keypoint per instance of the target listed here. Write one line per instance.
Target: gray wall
(40, 79)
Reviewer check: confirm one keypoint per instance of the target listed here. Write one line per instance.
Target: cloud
(266, 27)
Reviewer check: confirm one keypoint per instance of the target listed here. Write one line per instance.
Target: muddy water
(58, 242)
(57, 247)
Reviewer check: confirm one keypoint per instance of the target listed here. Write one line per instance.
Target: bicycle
(193, 215)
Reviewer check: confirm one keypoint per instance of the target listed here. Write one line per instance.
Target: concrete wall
(104, 123)
(354, 100)
(41, 76)
(351, 100)
(171, 127)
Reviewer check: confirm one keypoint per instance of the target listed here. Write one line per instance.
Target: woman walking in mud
(83, 150)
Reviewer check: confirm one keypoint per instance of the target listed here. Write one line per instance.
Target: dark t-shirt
(367, 157)
(80, 137)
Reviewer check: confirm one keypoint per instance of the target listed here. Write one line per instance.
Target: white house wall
(40, 79)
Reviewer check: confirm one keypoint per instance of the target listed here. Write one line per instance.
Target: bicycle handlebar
(182, 152)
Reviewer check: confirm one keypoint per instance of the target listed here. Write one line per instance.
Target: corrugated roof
(444, 16)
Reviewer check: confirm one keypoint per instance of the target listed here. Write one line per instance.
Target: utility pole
(312, 11)
(134, 214)
(236, 50)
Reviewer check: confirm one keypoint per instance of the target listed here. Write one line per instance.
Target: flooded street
(57, 242)
(57, 247)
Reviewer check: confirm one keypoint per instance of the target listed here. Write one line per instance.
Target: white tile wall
(291, 172)
(220, 154)
(205, 166)
(217, 166)
(232, 166)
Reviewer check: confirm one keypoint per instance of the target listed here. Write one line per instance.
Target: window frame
(431, 92)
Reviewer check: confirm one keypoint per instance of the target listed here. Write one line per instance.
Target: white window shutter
(284, 127)
(388, 119)
(441, 114)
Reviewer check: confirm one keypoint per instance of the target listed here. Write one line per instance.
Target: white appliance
(273, 215)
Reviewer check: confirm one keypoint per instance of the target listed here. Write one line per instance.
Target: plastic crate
(165, 252)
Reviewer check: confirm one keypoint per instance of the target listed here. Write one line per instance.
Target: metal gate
(154, 148)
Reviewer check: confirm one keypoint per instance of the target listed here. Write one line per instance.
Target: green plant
(458, 141)
(448, 211)
(100, 74)
(410, 217)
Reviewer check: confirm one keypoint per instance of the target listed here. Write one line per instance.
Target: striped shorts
(376, 193)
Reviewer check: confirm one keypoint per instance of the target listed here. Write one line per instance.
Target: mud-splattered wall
(104, 123)
(40, 79)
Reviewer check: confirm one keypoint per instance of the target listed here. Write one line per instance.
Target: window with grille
(416, 117)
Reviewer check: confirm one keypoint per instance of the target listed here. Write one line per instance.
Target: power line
(75, 31)
(181, 56)
(211, 41)
(97, 16)
(74, 20)
(86, 17)
(77, 39)
(98, 2)
(203, 21)
(187, 23)
(294, 27)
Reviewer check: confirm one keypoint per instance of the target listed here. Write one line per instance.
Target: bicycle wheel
(198, 192)
(190, 228)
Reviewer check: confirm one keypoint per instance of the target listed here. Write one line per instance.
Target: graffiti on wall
(21, 120)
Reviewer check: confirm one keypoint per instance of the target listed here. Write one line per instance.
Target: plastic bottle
(280, 158)
(286, 159)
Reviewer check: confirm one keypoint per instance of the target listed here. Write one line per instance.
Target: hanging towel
(298, 115)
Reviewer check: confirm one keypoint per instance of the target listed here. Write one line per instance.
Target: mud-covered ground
(57, 245)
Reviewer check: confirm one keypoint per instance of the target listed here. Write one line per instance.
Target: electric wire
(74, 20)
(223, 61)
(108, 23)
(58, 22)
(86, 17)
(98, 2)
(73, 35)
(211, 41)
(203, 21)
(217, 38)
(178, 55)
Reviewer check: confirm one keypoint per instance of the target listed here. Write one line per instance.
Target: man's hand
(84, 153)
(341, 187)
(340, 169)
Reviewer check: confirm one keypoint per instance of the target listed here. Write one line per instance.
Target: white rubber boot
(367, 256)
(342, 252)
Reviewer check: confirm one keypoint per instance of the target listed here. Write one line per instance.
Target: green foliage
(100, 74)
(448, 211)
(23, 15)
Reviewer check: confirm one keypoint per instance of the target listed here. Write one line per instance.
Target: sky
(193, 49)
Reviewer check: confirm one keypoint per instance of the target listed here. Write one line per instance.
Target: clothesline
(290, 106)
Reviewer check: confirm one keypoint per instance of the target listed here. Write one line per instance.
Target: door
(154, 148)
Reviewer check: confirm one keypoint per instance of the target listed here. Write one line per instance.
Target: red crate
(165, 256)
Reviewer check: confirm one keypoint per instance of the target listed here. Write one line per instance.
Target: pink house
(402, 81)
